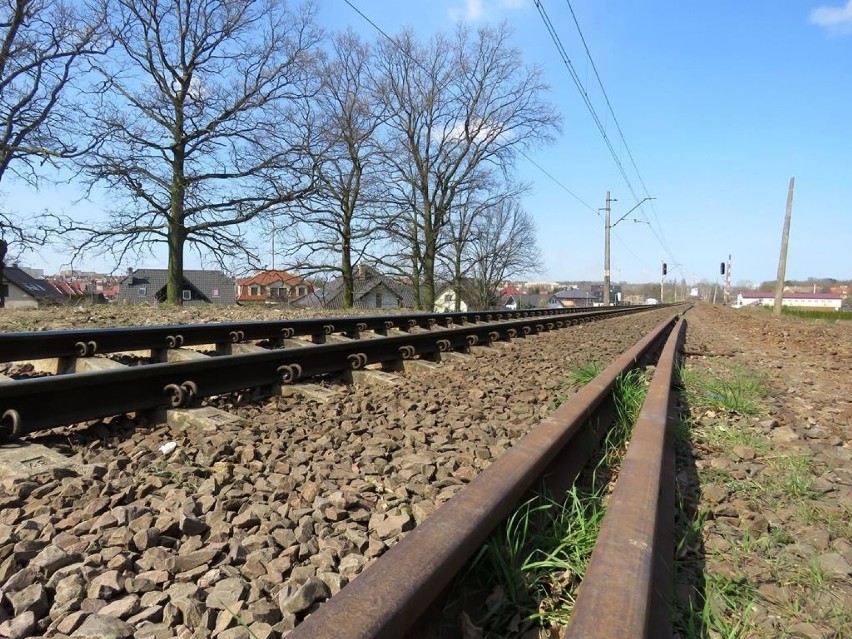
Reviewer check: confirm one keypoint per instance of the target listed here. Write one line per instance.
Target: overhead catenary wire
(373, 24)
(554, 35)
(587, 101)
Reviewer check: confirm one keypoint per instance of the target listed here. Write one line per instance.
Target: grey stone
(31, 599)
(391, 526)
(19, 627)
(122, 608)
(71, 622)
(151, 614)
(70, 590)
(103, 627)
(183, 563)
(313, 590)
(52, 558)
(106, 585)
(226, 593)
(265, 611)
(835, 565)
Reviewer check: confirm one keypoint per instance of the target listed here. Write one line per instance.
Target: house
(597, 292)
(445, 300)
(25, 291)
(820, 301)
(273, 287)
(372, 290)
(520, 301)
(148, 285)
(571, 297)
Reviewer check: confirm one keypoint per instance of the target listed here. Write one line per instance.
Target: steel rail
(393, 593)
(626, 589)
(33, 404)
(17, 346)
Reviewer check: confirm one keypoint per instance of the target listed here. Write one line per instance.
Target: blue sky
(720, 104)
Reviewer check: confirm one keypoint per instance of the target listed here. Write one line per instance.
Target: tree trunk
(174, 275)
(177, 230)
(457, 278)
(346, 269)
(427, 282)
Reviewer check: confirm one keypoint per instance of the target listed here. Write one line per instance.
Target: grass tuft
(527, 573)
(734, 390)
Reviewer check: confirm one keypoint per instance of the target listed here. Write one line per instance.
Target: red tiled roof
(268, 277)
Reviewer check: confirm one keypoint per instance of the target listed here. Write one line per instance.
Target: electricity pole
(606, 252)
(782, 258)
(607, 228)
(727, 289)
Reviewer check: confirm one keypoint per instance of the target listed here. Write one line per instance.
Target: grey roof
(37, 288)
(367, 279)
(533, 300)
(202, 283)
(573, 294)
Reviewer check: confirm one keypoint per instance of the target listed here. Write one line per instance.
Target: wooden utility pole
(726, 293)
(606, 252)
(782, 258)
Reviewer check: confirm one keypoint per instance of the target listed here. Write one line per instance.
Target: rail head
(394, 591)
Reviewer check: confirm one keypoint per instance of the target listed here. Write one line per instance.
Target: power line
(420, 64)
(564, 188)
(566, 60)
(658, 232)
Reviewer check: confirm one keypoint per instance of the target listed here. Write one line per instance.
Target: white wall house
(818, 301)
(446, 302)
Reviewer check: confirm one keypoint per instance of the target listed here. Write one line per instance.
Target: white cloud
(834, 19)
(476, 10)
(473, 11)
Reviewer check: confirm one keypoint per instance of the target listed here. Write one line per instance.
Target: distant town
(26, 287)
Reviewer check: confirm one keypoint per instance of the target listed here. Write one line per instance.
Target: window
(142, 291)
(378, 300)
(215, 292)
(187, 295)
(301, 290)
(254, 290)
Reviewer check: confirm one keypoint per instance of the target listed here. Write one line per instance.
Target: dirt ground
(766, 486)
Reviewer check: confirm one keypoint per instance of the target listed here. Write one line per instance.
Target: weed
(582, 375)
(735, 390)
(527, 573)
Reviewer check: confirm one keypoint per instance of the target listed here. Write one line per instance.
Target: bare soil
(769, 494)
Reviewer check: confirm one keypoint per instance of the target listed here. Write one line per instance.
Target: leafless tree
(461, 107)
(43, 45)
(336, 226)
(205, 118)
(461, 232)
(503, 244)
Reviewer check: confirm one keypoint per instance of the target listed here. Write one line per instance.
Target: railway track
(178, 384)
(624, 593)
(272, 525)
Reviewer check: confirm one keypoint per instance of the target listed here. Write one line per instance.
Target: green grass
(527, 573)
(806, 313)
(582, 375)
(732, 390)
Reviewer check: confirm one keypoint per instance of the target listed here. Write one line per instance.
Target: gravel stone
(102, 627)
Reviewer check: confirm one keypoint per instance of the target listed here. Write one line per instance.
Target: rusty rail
(626, 588)
(394, 592)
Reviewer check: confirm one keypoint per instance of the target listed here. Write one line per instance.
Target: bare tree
(461, 107)
(502, 245)
(335, 228)
(461, 230)
(43, 44)
(205, 120)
